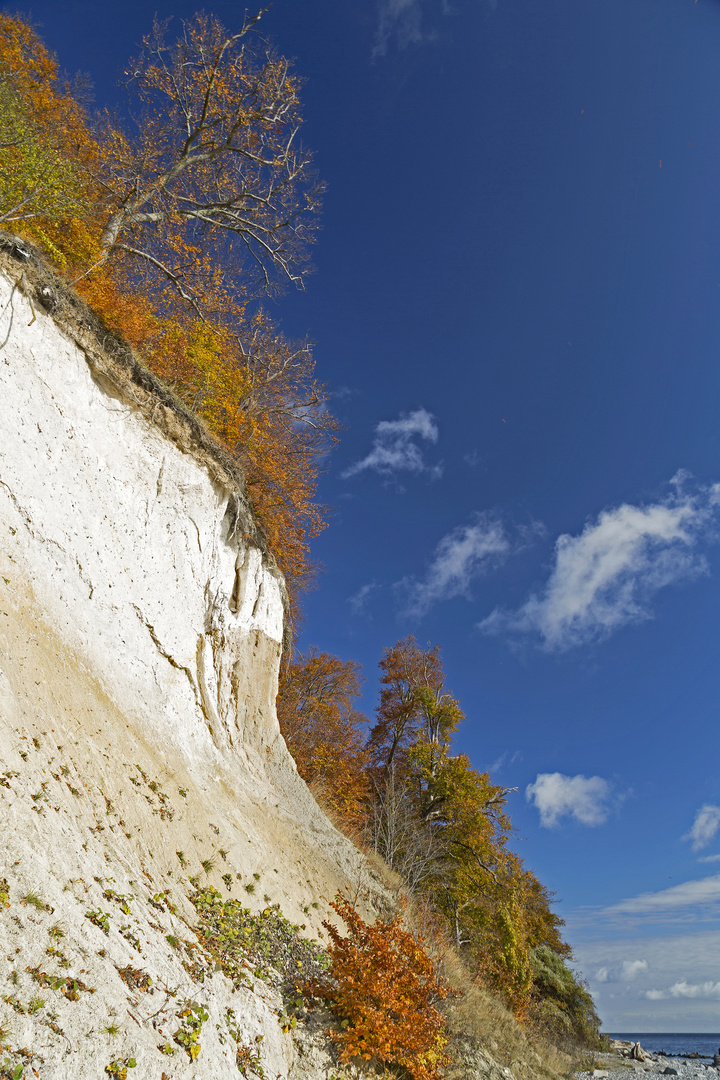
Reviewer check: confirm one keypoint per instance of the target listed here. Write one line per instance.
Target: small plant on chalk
(193, 1016)
(100, 919)
(11, 1070)
(33, 900)
(119, 1067)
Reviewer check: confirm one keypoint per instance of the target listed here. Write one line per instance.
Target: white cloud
(688, 894)
(395, 447)
(709, 858)
(584, 798)
(704, 827)
(645, 1003)
(707, 991)
(460, 557)
(604, 578)
(632, 968)
(695, 990)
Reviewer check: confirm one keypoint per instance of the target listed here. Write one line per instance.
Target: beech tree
(324, 731)
(408, 672)
(47, 151)
(212, 194)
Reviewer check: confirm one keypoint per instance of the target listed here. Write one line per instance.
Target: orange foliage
(383, 983)
(324, 732)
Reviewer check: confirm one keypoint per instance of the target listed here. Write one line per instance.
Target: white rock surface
(126, 541)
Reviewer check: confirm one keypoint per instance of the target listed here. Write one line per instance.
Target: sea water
(674, 1044)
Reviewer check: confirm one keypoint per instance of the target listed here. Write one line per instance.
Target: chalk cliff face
(141, 626)
(135, 552)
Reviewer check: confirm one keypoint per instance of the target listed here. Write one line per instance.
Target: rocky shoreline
(626, 1056)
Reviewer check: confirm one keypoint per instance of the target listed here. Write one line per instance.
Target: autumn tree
(324, 731)
(407, 673)
(47, 151)
(436, 820)
(211, 195)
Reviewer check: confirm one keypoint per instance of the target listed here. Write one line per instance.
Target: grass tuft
(33, 900)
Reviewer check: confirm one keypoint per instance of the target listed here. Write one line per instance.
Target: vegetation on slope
(438, 823)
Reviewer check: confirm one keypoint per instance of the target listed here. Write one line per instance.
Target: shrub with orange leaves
(383, 986)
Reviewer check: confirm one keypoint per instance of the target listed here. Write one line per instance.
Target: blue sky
(517, 306)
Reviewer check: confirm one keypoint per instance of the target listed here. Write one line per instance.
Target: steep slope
(141, 624)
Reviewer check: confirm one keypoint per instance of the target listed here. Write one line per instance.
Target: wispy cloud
(403, 22)
(688, 894)
(505, 759)
(359, 600)
(396, 447)
(628, 970)
(342, 393)
(704, 827)
(584, 798)
(709, 858)
(460, 557)
(708, 990)
(605, 577)
(400, 20)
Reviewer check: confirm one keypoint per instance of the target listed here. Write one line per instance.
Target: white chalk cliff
(141, 626)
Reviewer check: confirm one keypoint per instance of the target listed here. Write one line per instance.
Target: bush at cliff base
(383, 985)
